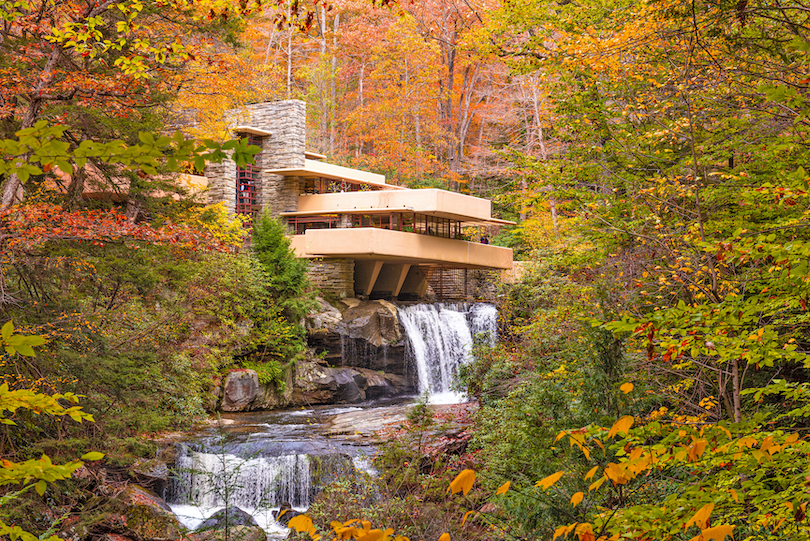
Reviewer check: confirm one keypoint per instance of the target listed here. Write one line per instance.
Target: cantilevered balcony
(385, 245)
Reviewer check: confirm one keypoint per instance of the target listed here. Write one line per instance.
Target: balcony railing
(408, 222)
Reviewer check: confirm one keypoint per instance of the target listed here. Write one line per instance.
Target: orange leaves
(626, 387)
(582, 530)
(701, 518)
(351, 529)
(621, 426)
(463, 482)
(696, 450)
(576, 498)
(547, 482)
(503, 488)
(302, 523)
(718, 533)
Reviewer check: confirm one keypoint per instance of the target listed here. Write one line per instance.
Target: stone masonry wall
(284, 149)
(335, 277)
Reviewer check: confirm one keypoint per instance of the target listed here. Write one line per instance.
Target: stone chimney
(282, 149)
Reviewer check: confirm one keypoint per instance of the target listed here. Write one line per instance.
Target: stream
(261, 460)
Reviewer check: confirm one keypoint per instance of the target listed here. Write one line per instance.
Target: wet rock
(237, 533)
(347, 389)
(317, 384)
(314, 384)
(323, 332)
(366, 334)
(285, 514)
(230, 516)
(240, 389)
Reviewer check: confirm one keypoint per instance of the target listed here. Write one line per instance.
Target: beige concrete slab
(401, 247)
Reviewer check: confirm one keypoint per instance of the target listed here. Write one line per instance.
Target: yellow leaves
(349, 530)
(576, 498)
(734, 495)
(591, 472)
(302, 523)
(503, 488)
(579, 440)
(626, 387)
(561, 531)
(466, 516)
(548, 481)
(622, 425)
(717, 533)
(596, 484)
(444, 537)
(701, 518)
(696, 450)
(757, 335)
(463, 482)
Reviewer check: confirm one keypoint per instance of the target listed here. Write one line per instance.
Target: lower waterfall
(208, 480)
(441, 338)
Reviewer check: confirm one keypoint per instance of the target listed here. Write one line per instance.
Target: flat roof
(252, 129)
(376, 210)
(314, 155)
(316, 169)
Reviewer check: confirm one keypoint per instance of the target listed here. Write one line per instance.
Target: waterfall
(251, 483)
(440, 339)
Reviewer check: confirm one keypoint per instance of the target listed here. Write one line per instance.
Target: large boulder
(375, 322)
(229, 516)
(365, 334)
(240, 389)
(314, 384)
(237, 533)
(349, 382)
(148, 517)
(318, 384)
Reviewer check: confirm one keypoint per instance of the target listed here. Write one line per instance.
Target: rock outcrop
(359, 354)
(366, 334)
(313, 383)
(240, 389)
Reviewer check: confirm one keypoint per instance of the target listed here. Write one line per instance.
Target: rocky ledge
(357, 353)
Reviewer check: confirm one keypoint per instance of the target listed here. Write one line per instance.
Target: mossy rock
(148, 516)
(237, 533)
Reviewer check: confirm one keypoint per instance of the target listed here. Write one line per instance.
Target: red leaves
(32, 225)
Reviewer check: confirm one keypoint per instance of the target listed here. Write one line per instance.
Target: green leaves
(18, 343)
(41, 147)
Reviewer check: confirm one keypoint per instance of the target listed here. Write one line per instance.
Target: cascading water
(440, 339)
(205, 482)
(203, 479)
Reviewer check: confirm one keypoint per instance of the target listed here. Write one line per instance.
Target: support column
(403, 273)
(365, 275)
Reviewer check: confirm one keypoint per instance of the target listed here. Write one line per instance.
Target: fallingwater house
(363, 237)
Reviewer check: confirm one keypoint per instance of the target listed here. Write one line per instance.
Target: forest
(651, 377)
